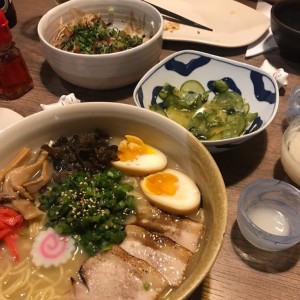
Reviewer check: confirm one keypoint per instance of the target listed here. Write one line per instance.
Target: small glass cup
(293, 109)
(268, 214)
(290, 151)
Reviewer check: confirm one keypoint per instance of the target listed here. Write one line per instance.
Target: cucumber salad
(226, 115)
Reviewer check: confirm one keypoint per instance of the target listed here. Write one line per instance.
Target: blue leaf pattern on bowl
(256, 124)
(155, 93)
(141, 97)
(260, 92)
(186, 69)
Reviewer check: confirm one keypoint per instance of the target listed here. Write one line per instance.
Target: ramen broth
(24, 280)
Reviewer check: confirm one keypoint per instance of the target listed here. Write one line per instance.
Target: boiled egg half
(172, 191)
(138, 158)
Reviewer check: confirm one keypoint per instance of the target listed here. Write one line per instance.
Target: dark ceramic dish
(285, 25)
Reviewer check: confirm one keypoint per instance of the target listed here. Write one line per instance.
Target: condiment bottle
(15, 79)
(8, 8)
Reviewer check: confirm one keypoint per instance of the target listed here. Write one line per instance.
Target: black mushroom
(87, 152)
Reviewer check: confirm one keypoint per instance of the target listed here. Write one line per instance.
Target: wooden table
(241, 271)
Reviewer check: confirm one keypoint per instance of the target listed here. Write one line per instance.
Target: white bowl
(256, 86)
(176, 142)
(104, 71)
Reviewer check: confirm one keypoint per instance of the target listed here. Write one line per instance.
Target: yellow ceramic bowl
(171, 138)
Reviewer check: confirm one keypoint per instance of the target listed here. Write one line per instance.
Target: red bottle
(15, 79)
(10, 13)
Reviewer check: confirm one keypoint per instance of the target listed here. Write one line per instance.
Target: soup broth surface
(25, 280)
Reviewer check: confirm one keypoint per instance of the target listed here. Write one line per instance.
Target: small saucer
(8, 117)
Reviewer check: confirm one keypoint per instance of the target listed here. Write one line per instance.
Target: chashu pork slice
(165, 255)
(115, 274)
(182, 230)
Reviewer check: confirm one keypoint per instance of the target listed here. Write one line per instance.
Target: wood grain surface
(241, 271)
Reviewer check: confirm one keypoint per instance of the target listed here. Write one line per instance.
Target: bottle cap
(5, 34)
(3, 20)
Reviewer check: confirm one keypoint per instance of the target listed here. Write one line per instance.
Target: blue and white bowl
(256, 86)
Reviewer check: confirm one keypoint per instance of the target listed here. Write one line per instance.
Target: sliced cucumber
(227, 115)
(237, 123)
(192, 86)
(221, 85)
(182, 117)
(229, 100)
(251, 117)
(246, 108)
(158, 109)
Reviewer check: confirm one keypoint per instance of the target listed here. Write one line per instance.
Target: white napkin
(267, 42)
(63, 101)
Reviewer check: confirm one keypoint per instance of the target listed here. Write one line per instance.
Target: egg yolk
(162, 184)
(133, 147)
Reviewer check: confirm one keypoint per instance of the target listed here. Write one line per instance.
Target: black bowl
(285, 25)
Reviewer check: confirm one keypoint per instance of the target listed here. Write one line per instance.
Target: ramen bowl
(172, 139)
(256, 87)
(111, 70)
